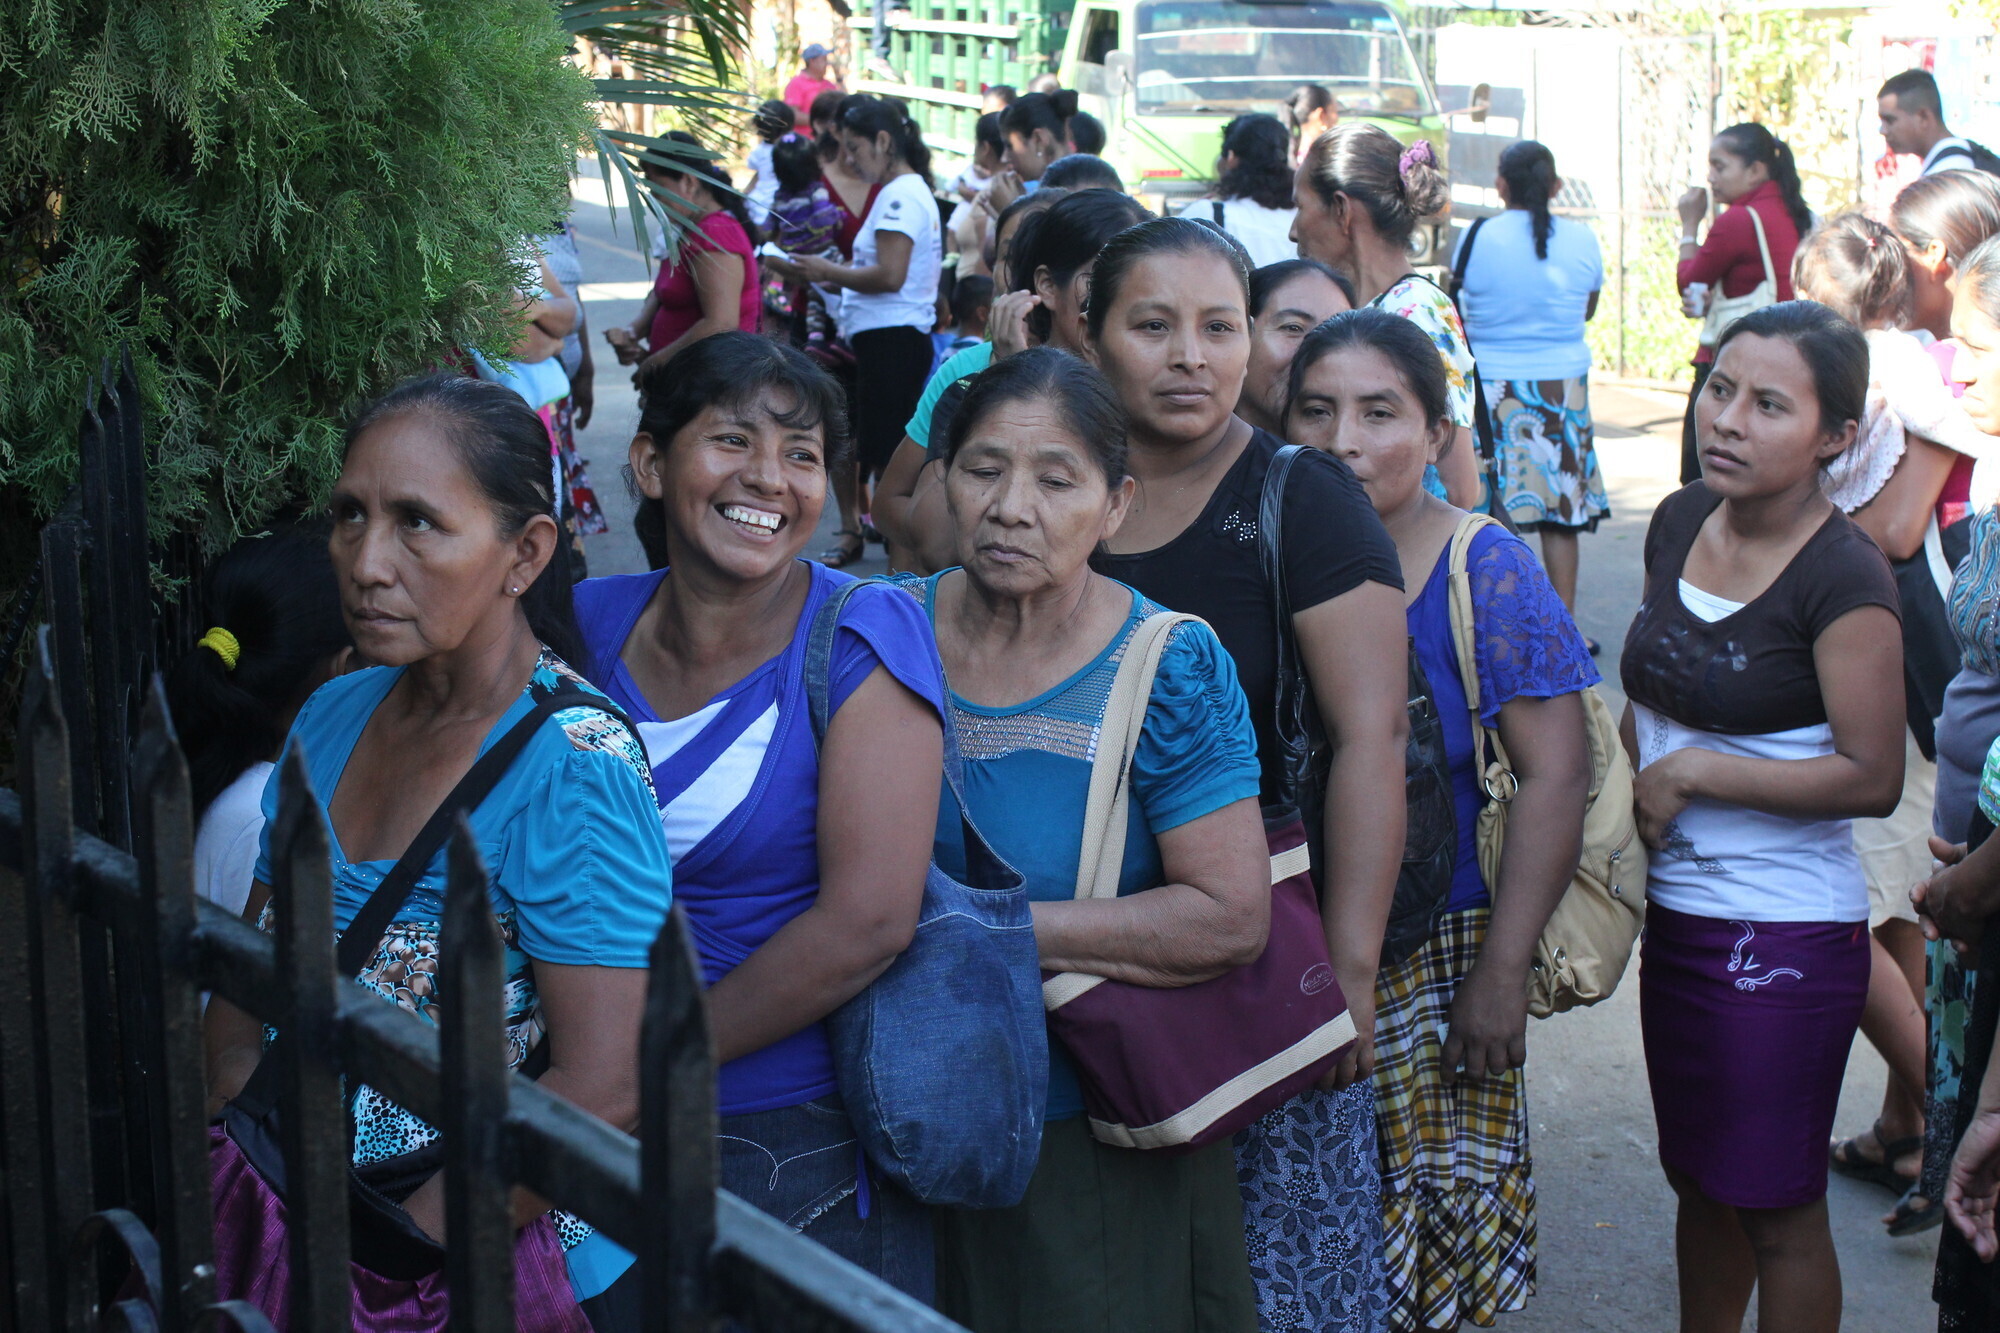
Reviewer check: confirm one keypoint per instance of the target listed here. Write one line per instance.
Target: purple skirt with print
(1747, 1027)
(253, 1263)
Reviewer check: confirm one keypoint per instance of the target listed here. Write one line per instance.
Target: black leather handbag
(1430, 838)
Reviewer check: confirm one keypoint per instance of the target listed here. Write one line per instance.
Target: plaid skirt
(1458, 1204)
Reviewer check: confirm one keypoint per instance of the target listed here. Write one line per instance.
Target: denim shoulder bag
(943, 1060)
(1430, 837)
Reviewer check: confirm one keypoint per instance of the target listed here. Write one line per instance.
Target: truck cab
(1166, 75)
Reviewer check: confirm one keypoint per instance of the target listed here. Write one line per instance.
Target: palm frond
(679, 55)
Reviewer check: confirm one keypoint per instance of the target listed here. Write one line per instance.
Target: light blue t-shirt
(1027, 773)
(1524, 315)
(956, 367)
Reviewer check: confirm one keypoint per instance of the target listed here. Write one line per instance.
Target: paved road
(1606, 1213)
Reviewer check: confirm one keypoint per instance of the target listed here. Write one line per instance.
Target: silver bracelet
(1687, 239)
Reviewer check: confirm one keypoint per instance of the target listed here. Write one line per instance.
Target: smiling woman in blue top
(452, 581)
(801, 872)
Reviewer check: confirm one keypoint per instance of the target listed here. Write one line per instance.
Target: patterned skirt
(1547, 453)
(1458, 1203)
(1312, 1214)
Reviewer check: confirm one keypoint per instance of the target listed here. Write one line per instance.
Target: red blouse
(680, 305)
(1730, 257)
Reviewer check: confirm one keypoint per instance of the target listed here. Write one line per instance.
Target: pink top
(801, 91)
(680, 305)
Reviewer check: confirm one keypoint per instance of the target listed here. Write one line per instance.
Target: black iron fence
(105, 949)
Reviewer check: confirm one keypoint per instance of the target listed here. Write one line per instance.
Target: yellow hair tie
(223, 644)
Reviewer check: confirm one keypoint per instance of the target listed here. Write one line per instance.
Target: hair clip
(1419, 153)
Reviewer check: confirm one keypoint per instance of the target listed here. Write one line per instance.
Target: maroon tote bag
(1173, 1070)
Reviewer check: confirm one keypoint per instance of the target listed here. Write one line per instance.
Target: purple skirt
(1747, 1028)
(253, 1263)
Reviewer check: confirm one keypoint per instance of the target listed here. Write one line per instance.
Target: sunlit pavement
(1606, 1215)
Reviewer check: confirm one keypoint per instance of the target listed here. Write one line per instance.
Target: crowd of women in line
(682, 734)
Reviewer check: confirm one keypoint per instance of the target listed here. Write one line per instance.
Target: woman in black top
(1763, 671)
(1168, 323)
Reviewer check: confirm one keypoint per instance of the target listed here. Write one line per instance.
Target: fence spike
(312, 1121)
(479, 1258)
(170, 1037)
(21, 1051)
(678, 1169)
(142, 1253)
(56, 973)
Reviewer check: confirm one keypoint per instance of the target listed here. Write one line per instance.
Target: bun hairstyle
(1959, 209)
(1407, 347)
(505, 448)
(1529, 169)
(1086, 133)
(1398, 186)
(1081, 396)
(708, 172)
(1752, 143)
(1067, 238)
(1159, 236)
(1855, 266)
(870, 116)
(1833, 350)
(1041, 111)
(275, 599)
(1263, 170)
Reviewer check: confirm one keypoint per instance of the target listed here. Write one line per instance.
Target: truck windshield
(1222, 55)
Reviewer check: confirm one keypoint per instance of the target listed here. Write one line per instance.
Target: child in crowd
(805, 220)
(971, 303)
(774, 121)
(1857, 267)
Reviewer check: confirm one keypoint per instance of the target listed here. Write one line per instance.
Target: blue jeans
(802, 1165)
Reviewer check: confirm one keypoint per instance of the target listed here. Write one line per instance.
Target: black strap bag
(1430, 839)
(382, 1236)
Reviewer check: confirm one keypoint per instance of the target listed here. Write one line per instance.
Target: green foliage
(1639, 331)
(283, 206)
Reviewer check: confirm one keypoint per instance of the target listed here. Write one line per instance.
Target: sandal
(1910, 1220)
(846, 551)
(1844, 1156)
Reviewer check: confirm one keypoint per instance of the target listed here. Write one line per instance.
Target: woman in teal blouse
(1107, 1238)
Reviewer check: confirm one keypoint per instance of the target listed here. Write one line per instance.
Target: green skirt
(1108, 1240)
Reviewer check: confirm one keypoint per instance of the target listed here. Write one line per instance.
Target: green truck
(1163, 75)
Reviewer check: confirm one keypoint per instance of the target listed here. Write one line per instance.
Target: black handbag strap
(1464, 259)
(369, 924)
(1294, 740)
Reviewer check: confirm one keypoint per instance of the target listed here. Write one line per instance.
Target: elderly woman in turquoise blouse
(446, 550)
(1107, 1238)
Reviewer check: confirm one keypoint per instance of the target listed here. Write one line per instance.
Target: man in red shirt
(811, 81)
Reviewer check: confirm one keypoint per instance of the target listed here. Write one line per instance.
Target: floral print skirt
(1312, 1214)
(1546, 468)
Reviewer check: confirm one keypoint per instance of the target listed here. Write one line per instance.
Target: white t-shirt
(1948, 154)
(1729, 863)
(1265, 232)
(225, 846)
(766, 187)
(1524, 314)
(904, 205)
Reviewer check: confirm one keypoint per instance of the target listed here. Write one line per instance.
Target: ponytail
(1753, 143)
(1041, 111)
(272, 610)
(1529, 169)
(869, 116)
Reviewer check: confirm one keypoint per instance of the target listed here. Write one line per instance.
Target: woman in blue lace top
(1107, 1238)
(1458, 1202)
